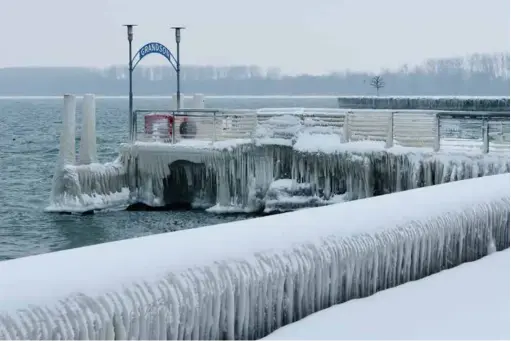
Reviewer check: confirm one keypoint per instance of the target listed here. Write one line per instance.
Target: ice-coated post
(346, 127)
(214, 126)
(198, 101)
(390, 131)
(67, 154)
(88, 153)
(436, 130)
(175, 105)
(486, 136)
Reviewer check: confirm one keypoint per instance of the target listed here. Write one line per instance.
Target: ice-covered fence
(199, 124)
(464, 131)
(369, 125)
(224, 124)
(476, 131)
(245, 279)
(412, 129)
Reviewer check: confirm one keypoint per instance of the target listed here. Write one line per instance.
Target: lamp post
(177, 30)
(130, 75)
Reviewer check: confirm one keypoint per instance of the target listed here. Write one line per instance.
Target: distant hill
(478, 74)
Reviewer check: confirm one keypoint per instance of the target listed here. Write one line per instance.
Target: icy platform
(316, 170)
(277, 159)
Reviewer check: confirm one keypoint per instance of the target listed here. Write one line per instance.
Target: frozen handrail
(254, 275)
(484, 131)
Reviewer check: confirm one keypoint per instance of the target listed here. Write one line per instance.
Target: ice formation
(306, 146)
(88, 149)
(244, 280)
(469, 302)
(88, 187)
(238, 176)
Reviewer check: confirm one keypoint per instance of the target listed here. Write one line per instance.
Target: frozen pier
(278, 159)
(244, 280)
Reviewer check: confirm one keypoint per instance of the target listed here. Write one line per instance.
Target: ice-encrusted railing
(244, 280)
(453, 130)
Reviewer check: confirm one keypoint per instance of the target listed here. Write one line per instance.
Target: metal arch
(157, 48)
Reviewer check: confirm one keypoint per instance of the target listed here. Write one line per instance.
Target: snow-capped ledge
(244, 280)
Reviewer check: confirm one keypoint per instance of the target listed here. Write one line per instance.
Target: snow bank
(469, 302)
(246, 279)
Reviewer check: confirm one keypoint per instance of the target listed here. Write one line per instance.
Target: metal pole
(130, 75)
(177, 30)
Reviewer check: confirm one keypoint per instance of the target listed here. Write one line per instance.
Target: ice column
(88, 153)
(198, 101)
(67, 155)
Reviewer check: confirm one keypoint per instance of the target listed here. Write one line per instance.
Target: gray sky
(295, 35)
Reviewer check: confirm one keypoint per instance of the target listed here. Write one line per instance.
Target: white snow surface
(469, 302)
(248, 278)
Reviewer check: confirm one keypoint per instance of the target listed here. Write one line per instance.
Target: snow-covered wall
(244, 280)
(425, 103)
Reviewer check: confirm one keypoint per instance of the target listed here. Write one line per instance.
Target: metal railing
(452, 131)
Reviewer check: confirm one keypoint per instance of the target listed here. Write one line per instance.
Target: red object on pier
(160, 125)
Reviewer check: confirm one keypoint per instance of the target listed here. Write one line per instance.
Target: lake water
(29, 139)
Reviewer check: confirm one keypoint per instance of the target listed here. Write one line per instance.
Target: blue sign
(154, 47)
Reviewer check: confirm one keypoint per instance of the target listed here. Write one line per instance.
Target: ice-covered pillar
(88, 153)
(436, 130)
(390, 131)
(346, 127)
(174, 102)
(67, 153)
(486, 137)
(198, 101)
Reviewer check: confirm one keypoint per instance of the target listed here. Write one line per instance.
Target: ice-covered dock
(278, 159)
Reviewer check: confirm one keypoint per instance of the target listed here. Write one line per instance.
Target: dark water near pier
(29, 139)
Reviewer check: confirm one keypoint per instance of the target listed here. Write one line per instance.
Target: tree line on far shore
(477, 74)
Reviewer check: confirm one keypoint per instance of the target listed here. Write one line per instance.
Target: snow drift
(244, 280)
(469, 302)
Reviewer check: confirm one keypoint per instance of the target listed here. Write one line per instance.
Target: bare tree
(377, 83)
